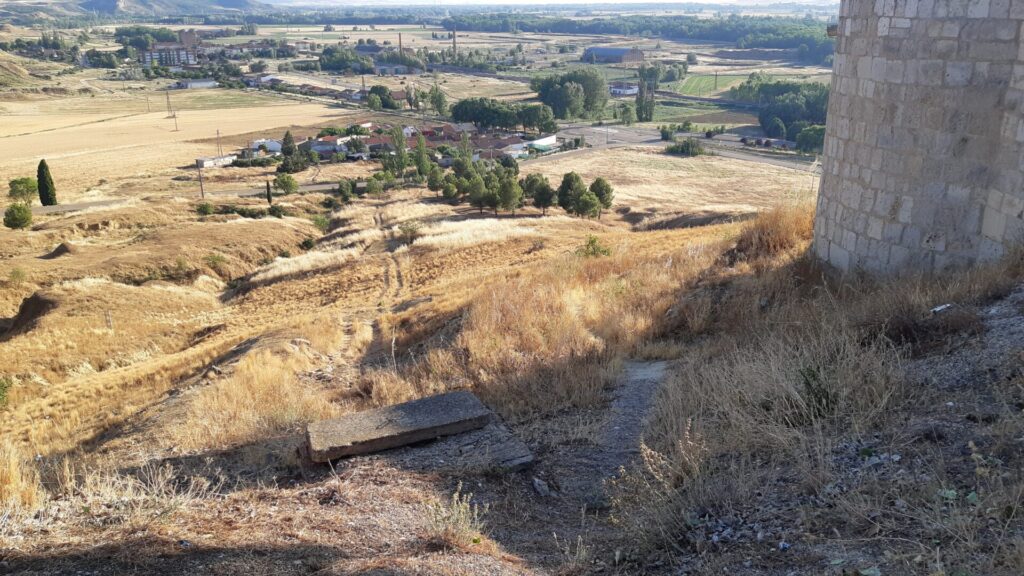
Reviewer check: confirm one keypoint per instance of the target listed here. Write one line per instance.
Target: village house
(265, 145)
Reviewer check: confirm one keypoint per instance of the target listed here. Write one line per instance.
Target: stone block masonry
(923, 166)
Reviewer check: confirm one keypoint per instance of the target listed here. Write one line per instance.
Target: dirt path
(581, 471)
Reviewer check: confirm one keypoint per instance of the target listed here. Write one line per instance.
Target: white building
(623, 89)
(194, 84)
(215, 161)
(271, 146)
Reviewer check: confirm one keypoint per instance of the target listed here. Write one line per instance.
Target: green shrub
(215, 261)
(16, 276)
(321, 222)
(17, 216)
(204, 209)
(277, 211)
(409, 232)
(689, 147)
(593, 248)
(308, 244)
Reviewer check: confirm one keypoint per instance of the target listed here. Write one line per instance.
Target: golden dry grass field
(159, 366)
(107, 145)
(656, 187)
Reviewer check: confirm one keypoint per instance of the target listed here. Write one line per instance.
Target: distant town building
(270, 146)
(169, 55)
(623, 89)
(198, 83)
(394, 70)
(609, 55)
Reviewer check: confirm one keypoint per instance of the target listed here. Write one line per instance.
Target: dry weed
(457, 523)
(775, 231)
(20, 490)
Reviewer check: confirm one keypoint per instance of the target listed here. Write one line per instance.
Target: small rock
(541, 487)
(784, 545)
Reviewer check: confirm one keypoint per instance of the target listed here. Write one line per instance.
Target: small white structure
(201, 83)
(623, 89)
(215, 161)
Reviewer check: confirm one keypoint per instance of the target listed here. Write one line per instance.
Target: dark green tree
(510, 194)
(288, 147)
(570, 190)
(604, 192)
(421, 158)
(587, 205)
(270, 195)
(435, 178)
(345, 190)
(47, 191)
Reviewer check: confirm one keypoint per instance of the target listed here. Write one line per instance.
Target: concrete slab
(394, 426)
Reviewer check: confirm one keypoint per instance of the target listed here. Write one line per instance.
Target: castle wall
(924, 151)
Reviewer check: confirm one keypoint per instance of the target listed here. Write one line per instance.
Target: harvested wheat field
(658, 188)
(119, 149)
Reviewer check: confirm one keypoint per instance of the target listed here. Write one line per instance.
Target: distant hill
(170, 7)
(38, 11)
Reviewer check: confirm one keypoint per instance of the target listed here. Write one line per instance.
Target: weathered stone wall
(923, 152)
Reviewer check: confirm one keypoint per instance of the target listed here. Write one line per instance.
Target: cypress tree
(270, 195)
(47, 191)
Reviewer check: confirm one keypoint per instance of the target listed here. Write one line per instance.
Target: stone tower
(924, 150)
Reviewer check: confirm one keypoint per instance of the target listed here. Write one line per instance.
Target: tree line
(806, 36)
(488, 113)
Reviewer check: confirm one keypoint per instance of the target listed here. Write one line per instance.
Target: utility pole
(220, 151)
(175, 122)
(169, 111)
(202, 189)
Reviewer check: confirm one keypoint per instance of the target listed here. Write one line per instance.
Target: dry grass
(448, 235)
(657, 187)
(775, 231)
(20, 490)
(316, 261)
(786, 364)
(457, 523)
(553, 335)
(264, 395)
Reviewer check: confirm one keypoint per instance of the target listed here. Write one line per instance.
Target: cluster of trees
(23, 190)
(805, 36)
(494, 186)
(490, 113)
(689, 147)
(576, 93)
(143, 37)
(788, 108)
(668, 131)
(292, 159)
(344, 59)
